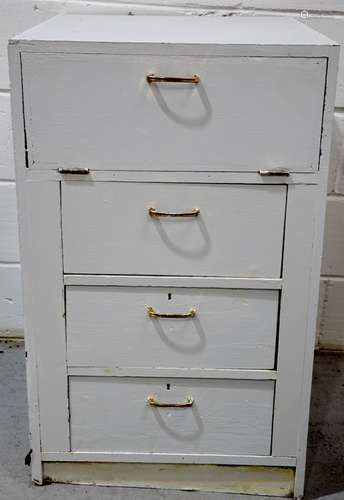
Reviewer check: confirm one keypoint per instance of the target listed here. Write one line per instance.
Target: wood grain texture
(173, 126)
(107, 229)
(231, 329)
(227, 417)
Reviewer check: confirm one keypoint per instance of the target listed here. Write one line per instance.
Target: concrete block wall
(326, 16)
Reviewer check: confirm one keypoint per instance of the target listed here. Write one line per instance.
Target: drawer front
(98, 111)
(111, 326)
(107, 229)
(227, 416)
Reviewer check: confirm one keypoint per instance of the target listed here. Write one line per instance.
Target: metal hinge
(274, 172)
(78, 171)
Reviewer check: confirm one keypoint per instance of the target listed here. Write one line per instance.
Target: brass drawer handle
(77, 171)
(153, 212)
(152, 313)
(277, 172)
(152, 78)
(153, 401)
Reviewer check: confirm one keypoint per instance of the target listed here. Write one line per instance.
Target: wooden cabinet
(171, 182)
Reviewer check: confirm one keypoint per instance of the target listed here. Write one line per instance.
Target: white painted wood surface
(42, 281)
(173, 281)
(319, 196)
(163, 458)
(111, 326)
(172, 177)
(30, 340)
(208, 373)
(174, 30)
(173, 126)
(293, 317)
(107, 229)
(227, 417)
(44, 307)
(245, 226)
(325, 16)
(253, 7)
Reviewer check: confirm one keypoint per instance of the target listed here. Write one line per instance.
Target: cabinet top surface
(175, 30)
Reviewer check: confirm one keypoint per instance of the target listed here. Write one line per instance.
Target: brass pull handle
(77, 171)
(277, 172)
(152, 78)
(153, 212)
(152, 313)
(153, 401)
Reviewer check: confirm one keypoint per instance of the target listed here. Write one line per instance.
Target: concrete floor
(325, 475)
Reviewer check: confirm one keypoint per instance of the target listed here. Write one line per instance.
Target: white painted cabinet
(171, 188)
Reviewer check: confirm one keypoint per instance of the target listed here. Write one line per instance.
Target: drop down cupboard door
(245, 114)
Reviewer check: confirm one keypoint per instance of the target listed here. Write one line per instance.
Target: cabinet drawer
(247, 113)
(227, 416)
(107, 229)
(111, 326)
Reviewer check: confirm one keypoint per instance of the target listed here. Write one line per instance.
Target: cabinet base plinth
(253, 480)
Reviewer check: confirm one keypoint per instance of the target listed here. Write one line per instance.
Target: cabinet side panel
(302, 260)
(319, 196)
(44, 308)
(293, 317)
(43, 293)
(31, 361)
